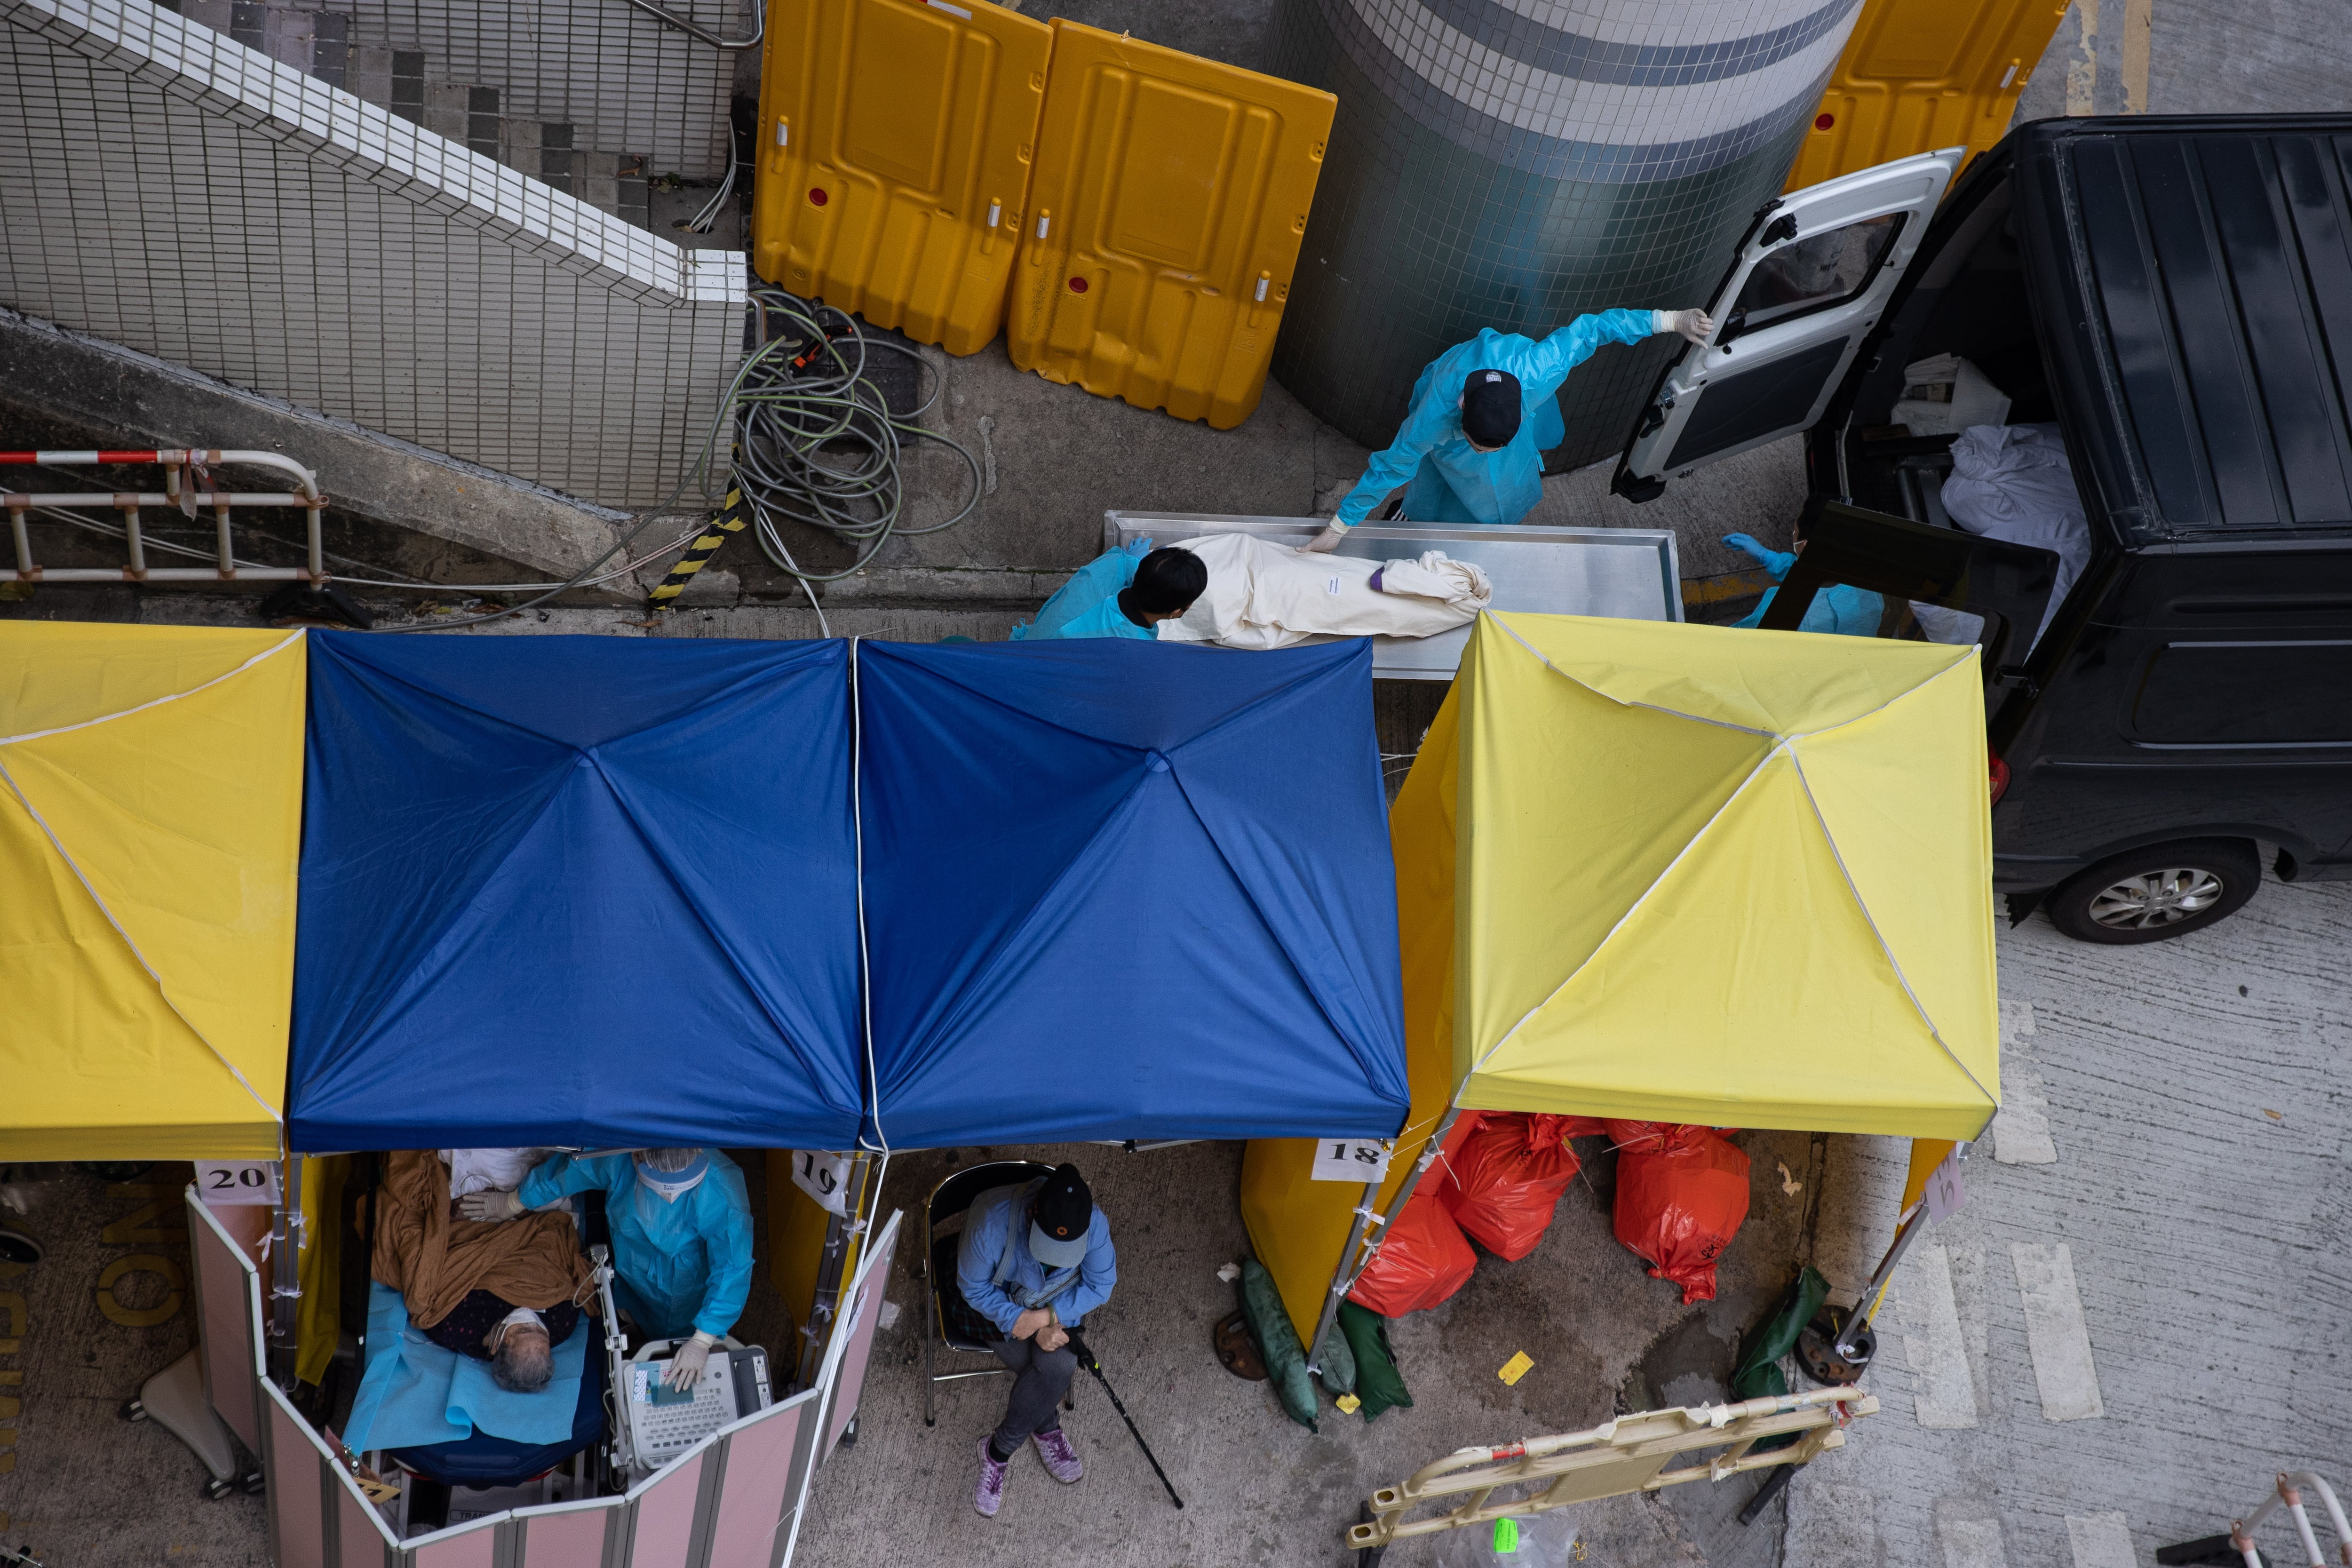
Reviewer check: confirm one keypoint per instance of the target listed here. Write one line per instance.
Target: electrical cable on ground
(817, 442)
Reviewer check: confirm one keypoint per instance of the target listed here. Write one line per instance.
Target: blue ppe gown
(1838, 608)
(678, 1266)
(1451, 481)
(1087, 604)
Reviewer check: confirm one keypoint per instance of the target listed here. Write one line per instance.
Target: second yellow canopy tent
(1679, 873)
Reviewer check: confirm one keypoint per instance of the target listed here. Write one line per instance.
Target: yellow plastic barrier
(1922, 74)
(895, 144)
(1166, 211)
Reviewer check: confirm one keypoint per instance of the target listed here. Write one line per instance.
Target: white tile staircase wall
(165, 187)
(595, 97)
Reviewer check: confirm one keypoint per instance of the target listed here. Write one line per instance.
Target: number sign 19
(823, 1177)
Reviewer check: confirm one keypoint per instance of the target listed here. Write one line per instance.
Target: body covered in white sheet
(1266, 595)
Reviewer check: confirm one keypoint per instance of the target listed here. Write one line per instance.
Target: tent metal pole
(844, 1244)
(1332, 1298)
(1343, 1279)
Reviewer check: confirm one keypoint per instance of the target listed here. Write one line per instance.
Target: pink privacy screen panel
(873, 1281)
(226, 1289)
(476, 1547)
(570, 1538)
(665, 1514)
(296, 1511)
(759, 1482)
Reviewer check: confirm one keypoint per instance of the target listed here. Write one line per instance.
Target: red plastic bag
(1681, 1192)
(1507, 1178)
(1424, 1260)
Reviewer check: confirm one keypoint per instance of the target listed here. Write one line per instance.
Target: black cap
(1060, 1218)
(1490, 407)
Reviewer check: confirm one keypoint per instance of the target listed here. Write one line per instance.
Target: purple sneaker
(1061, 1459)
(990, 1496)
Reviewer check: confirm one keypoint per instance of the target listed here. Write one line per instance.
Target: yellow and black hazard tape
(730, 521)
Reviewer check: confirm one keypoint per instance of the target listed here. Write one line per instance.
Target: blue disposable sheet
(1122, 890)
(572, 891)
(415, 1393)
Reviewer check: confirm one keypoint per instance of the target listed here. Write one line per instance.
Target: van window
(2246, 694)
(1813, 273)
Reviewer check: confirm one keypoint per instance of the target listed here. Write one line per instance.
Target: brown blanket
(434, 1257)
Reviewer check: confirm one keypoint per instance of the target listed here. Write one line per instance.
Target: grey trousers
(1040, 1378)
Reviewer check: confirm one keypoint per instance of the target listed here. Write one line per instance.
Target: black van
(2174, 297)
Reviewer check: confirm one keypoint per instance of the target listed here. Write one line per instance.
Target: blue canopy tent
(1118, 890)
(578, 891)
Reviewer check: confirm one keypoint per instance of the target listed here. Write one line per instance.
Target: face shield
(671, 1185)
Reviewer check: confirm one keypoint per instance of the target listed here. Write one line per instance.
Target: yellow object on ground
(1165, 215)
(895, 144)
(1717, 875)
(1517, 1367)
(319, 1316)
(1918, 75)
(151, 816)
(1681, 873)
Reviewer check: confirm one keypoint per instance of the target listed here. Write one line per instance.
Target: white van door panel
(1809, 283)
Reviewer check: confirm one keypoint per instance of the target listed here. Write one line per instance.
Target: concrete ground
(2133, 1323)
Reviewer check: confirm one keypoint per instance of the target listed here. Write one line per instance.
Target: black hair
(1491, 404)
(1168, 581)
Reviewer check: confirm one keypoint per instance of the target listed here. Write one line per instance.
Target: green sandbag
(1377, 1384)
(1337, 1359)
(1758, 1374)
(1277, 1344)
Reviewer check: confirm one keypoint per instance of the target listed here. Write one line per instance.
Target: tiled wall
(1513, 163)
(619, 78)
(165, 187)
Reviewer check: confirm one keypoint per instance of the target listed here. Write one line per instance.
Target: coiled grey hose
(815, 442)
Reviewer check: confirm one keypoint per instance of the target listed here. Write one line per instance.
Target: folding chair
(947, 1319)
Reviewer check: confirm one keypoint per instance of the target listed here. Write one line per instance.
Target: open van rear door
(1808, 282)
(1939, 584)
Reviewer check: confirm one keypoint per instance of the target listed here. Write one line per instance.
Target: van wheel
(2164, 890)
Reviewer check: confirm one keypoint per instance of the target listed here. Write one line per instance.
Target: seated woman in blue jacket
(1482, 416)
(1034, 1257)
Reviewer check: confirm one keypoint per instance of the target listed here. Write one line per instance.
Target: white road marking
(2100, 1540)
(2055, 1332)
(2020, 1132)
(1972, 1544)
(1942, 1395)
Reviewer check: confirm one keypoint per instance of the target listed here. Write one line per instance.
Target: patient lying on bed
(502, 1293)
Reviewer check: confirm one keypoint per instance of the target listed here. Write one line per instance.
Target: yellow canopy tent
(1679, 873)
(151, 799)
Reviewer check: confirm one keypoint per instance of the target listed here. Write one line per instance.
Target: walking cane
(1087, 1359)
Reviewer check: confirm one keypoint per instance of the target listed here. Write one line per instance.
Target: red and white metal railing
(188, 487)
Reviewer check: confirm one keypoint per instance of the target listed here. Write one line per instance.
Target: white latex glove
(1695, 325)
(497, 1202)
(686, 1361)
(1329, 540)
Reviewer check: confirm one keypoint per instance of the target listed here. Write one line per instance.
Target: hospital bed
(1627, 574)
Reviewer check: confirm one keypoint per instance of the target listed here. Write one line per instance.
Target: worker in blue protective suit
(1481, 417)
(1837, 607)
(681, 1222)
(1120, 593)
